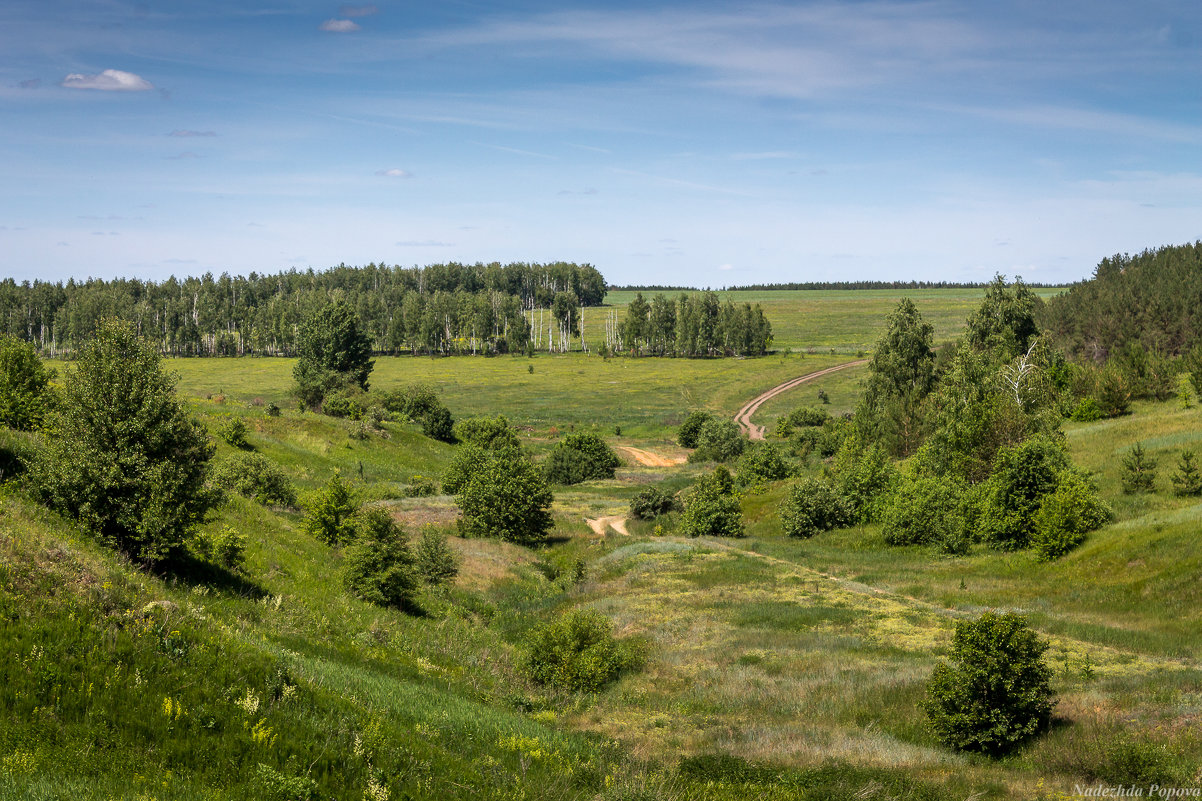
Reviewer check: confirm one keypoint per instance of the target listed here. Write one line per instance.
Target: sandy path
(649, 459)
(601, 524)
(743, 417)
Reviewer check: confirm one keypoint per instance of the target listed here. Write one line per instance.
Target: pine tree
(1187, 480)
(1139, 471)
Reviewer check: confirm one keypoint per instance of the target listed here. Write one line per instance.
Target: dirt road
(743, 418)
(649, 459)
(601, 524)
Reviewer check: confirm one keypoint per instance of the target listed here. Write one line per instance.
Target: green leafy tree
(1187, 481)
(718, 441)
(862, 477)
(435, 559)
(1139, 471)
(580, 457)
(1066, 515)
(927, 511)
(900, 376)
(711, 508)
(762, 463)
(121, 454)
(813, 506)
(378, 566)
(24, 385)
(505, 496)
(255, 476)
(577, 652)
(492, 433)
(996, 692)
(1021, 478)
(1005, 321)
(332, 516)
(652, 502)
(333, 353)
(690, 429)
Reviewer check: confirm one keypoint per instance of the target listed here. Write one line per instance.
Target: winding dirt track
(649, 459)
(743, 417)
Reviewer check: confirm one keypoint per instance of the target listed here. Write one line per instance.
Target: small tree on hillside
(580, 457)
(121, 455)
(686, 435)
(1187, 480)
(711, 508)
(718, 441)
(900, 375)
(379, 567)
(506, 496)
(332, 516)
(24, 385)
(996, 692)
(1139, 471)
(333, 353)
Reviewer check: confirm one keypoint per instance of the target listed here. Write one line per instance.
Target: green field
(775, 667)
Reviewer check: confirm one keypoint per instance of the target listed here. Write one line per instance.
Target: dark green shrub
(924, 510)
(762, 463)
(421, 487)
(1187, 481)
(651, 503)
(1066, 515)
(333, 354)
(435, 559)
(1140, 763)
(420, 404)
(813, 506)
(24, 385)
(1112, 392)
(332, 516)
(227, 547)
(996, 692)
(1139, 471)
(273, 409)
(234, 430)
(439, 425)
(808, 416)
(378, 566)
(343, 403)
(711, 508)
(257, 477)
(580, 457)
(491, 433)
(504, 495)
(1020, 479)
(718, 441)
(863, 477)
(686, 435)
(121, 454)
(577, 652)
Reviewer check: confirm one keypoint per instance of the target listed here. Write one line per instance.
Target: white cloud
(339, 26)
(108, 81)
(394, 173)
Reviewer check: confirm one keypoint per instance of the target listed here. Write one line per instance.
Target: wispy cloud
(358, 11)
(184, 133)
(394, 173)
(424, 243)
(31, 83)
(108, 81)
(339, 26)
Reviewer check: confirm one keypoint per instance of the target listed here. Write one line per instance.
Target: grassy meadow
(773, 667)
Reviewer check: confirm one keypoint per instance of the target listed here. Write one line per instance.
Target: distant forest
(794, 285)
(1153, 300)
(441, 308)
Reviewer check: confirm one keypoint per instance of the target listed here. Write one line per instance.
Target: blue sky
(703, 144)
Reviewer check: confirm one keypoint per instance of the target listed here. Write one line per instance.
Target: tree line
(440, 308)
(689, 325)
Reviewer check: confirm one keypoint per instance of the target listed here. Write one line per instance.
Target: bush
(378, 566)
(1066, 515)
(439, 425)
(273, 409)
(255, 476)
(1139, 471)
(421, 487)
(121, 455)
(490, 433)
(332, 517)
(863, 477)
(227, 548)
(24, 385)
(687, 434)
(233, 430)
(651, 503)
(344, 403)
(996, 692)
(1020, 479)
(504, 495)
(420, 403)
(711, 509)
(435, 560)
(718, 441)
(1112, 392)
(924, 510)
(580, 457)
(808, 416)
(1086, 411)
(333, 353)
(577, 652)
(762, 463)
(1187, 481)
(813, 506)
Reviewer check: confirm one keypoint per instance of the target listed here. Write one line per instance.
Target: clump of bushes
(578, 652)
(762, 463)
(332, 516)
(234, 430)
(226, 547)
(718, 441)
(924, 510)
(802, 417)
(420, 403)
(491, 433)
(863, 477)
(378, 566)
(686, 435)
(24, 385)
(813, 505)
(580, 457)
(652, 503)
(996, 692)
(1066, 515)
(255, 476)
(711, 508)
